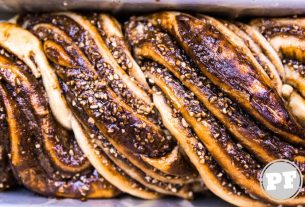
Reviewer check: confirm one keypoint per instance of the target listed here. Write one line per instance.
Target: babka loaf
(172, 104)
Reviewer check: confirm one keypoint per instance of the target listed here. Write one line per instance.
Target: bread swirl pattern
(169, 103)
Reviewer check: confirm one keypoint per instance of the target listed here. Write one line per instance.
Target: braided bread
(174, 104)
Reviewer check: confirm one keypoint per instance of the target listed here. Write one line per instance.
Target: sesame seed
(91, 121)
(184, 123)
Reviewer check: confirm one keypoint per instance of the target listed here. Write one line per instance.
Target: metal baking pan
(235, 8)
(24, 198)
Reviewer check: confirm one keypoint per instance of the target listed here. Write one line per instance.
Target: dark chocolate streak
(6, 176)
(230, 69)
(30, 163)
(270, 28)
(157, 45)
